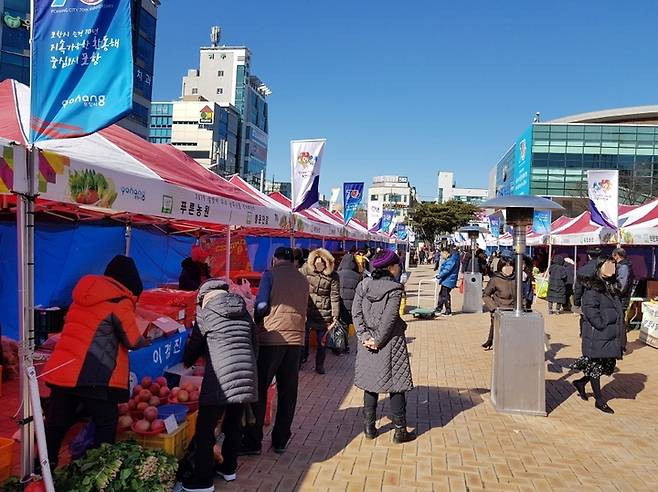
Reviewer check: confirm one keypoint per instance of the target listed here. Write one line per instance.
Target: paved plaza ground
(463, 443)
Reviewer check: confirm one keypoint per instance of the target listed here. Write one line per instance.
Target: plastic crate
(174, 444)
(191, 425)
(6, 453)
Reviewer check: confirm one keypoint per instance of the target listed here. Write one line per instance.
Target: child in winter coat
(500, 293)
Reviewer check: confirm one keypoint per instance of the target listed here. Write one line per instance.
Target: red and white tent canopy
(641, 225)
(115, 171)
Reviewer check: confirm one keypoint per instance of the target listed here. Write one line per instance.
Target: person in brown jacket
(280, 311)
(323, 302)
(500, 293)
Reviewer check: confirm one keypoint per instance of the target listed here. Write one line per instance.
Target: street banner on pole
(541, 222)
(82, 66)
(387, 221)
(335, 192)
(305, 163)
(495, 222)
(352, 197)
(603, 192)
(401, 231)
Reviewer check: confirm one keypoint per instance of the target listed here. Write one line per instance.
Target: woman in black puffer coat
(225, 336)
(349, 275)
(603, 331)
(557, 285)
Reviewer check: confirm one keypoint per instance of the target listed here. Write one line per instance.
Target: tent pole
(25, 250)
(292, 230)
(575, 261)
(653, 262)
(228, 252)
(323, 242)
(128, 235)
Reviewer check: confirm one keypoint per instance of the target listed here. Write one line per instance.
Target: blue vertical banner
(387, 221)
(401, 231)
(541, 222)
(352, 197)
(495, 223)
(82, 66)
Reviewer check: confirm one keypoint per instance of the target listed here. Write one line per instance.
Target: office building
(390, 193)
(15, 40)
(161, 122)
(447, 190)
(283, 187)
(552, 159)
(224, 76)
(206, 131)
(144, 27)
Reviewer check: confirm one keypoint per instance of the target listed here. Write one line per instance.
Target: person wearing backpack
(225, 335)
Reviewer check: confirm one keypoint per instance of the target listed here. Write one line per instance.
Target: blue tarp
(65, 252)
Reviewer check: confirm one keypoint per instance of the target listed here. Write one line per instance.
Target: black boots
(579, 384)
(603, 406)
(401, 434)
(369, 429)
(320, 356)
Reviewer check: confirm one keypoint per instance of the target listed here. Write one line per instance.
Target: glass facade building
(552, 159)
(161, 121)
(562, 154)
(15, 40)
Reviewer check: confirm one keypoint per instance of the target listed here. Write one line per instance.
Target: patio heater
(517, 376)
(472, 280)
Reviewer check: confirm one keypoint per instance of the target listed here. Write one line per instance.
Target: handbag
(541, 284)
(337, 340)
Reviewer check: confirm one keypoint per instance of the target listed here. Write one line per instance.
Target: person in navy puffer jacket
(447, 277)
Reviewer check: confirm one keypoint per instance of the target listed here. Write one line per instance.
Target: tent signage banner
(305, 164)
(352, 197)
(69, 181)
(82, 66)
(603, 192)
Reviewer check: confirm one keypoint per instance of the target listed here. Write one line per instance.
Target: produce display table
(154, 359)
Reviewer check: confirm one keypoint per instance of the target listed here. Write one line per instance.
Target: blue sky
(415, 87)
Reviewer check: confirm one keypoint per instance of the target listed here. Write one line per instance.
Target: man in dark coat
(226, 336)
(349, 276)
(586, 271)
(557, 285)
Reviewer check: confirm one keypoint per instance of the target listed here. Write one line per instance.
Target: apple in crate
(137, 389)
(155, 388)
(164, 392)
(194, 395)
(125, 421)
(132, 404)
(158, 425)
(154, 401)
(150, 414)
(147, 381)
(174, 392)
(141, 406)
(162, 381)
(124, 409)
(142, 425)
(183, 396)
(144, 395)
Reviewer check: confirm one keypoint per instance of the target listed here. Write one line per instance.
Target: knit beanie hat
(385, 259)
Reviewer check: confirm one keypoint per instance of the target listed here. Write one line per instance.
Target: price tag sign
(170, 424)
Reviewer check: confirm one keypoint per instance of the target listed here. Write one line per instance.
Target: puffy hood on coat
(326, 256)
(94, 289)
(376, 290)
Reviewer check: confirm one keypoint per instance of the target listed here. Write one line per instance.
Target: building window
(195, 90)
(220, 73)
(374, 197)
(220, 90)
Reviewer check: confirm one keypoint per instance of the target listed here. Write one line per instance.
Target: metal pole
(228, 252)
(323, 242)
(292, 230)
(41, 432)
(262, 180)
(653, 262)
(25, 250)
(575, 262)
(128, 235)
(473, 249)
(519, 249)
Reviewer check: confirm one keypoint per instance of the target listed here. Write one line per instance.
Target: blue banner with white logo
(495, 223)
(82, 66)
(401, 231)
(541, 222)
(352, 196)
(387, 220)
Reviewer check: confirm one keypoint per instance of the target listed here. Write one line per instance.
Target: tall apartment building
(224, 77)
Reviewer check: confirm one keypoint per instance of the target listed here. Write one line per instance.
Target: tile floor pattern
(463, 444)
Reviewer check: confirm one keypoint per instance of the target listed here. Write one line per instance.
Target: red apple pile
(148, 393)
(188, 393)
(150, 422)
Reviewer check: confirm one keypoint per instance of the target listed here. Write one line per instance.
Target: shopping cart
(421, 312)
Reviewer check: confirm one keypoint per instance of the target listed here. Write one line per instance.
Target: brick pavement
(463, 443)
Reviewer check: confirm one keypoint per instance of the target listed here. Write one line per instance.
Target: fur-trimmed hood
(326, 256)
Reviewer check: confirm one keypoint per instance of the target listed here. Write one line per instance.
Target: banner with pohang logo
(603, 192)
(352, 197)
(82, 66)
(541, 222)
(387, 221)
(305, 163)
(495, 223)
(401, 231)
